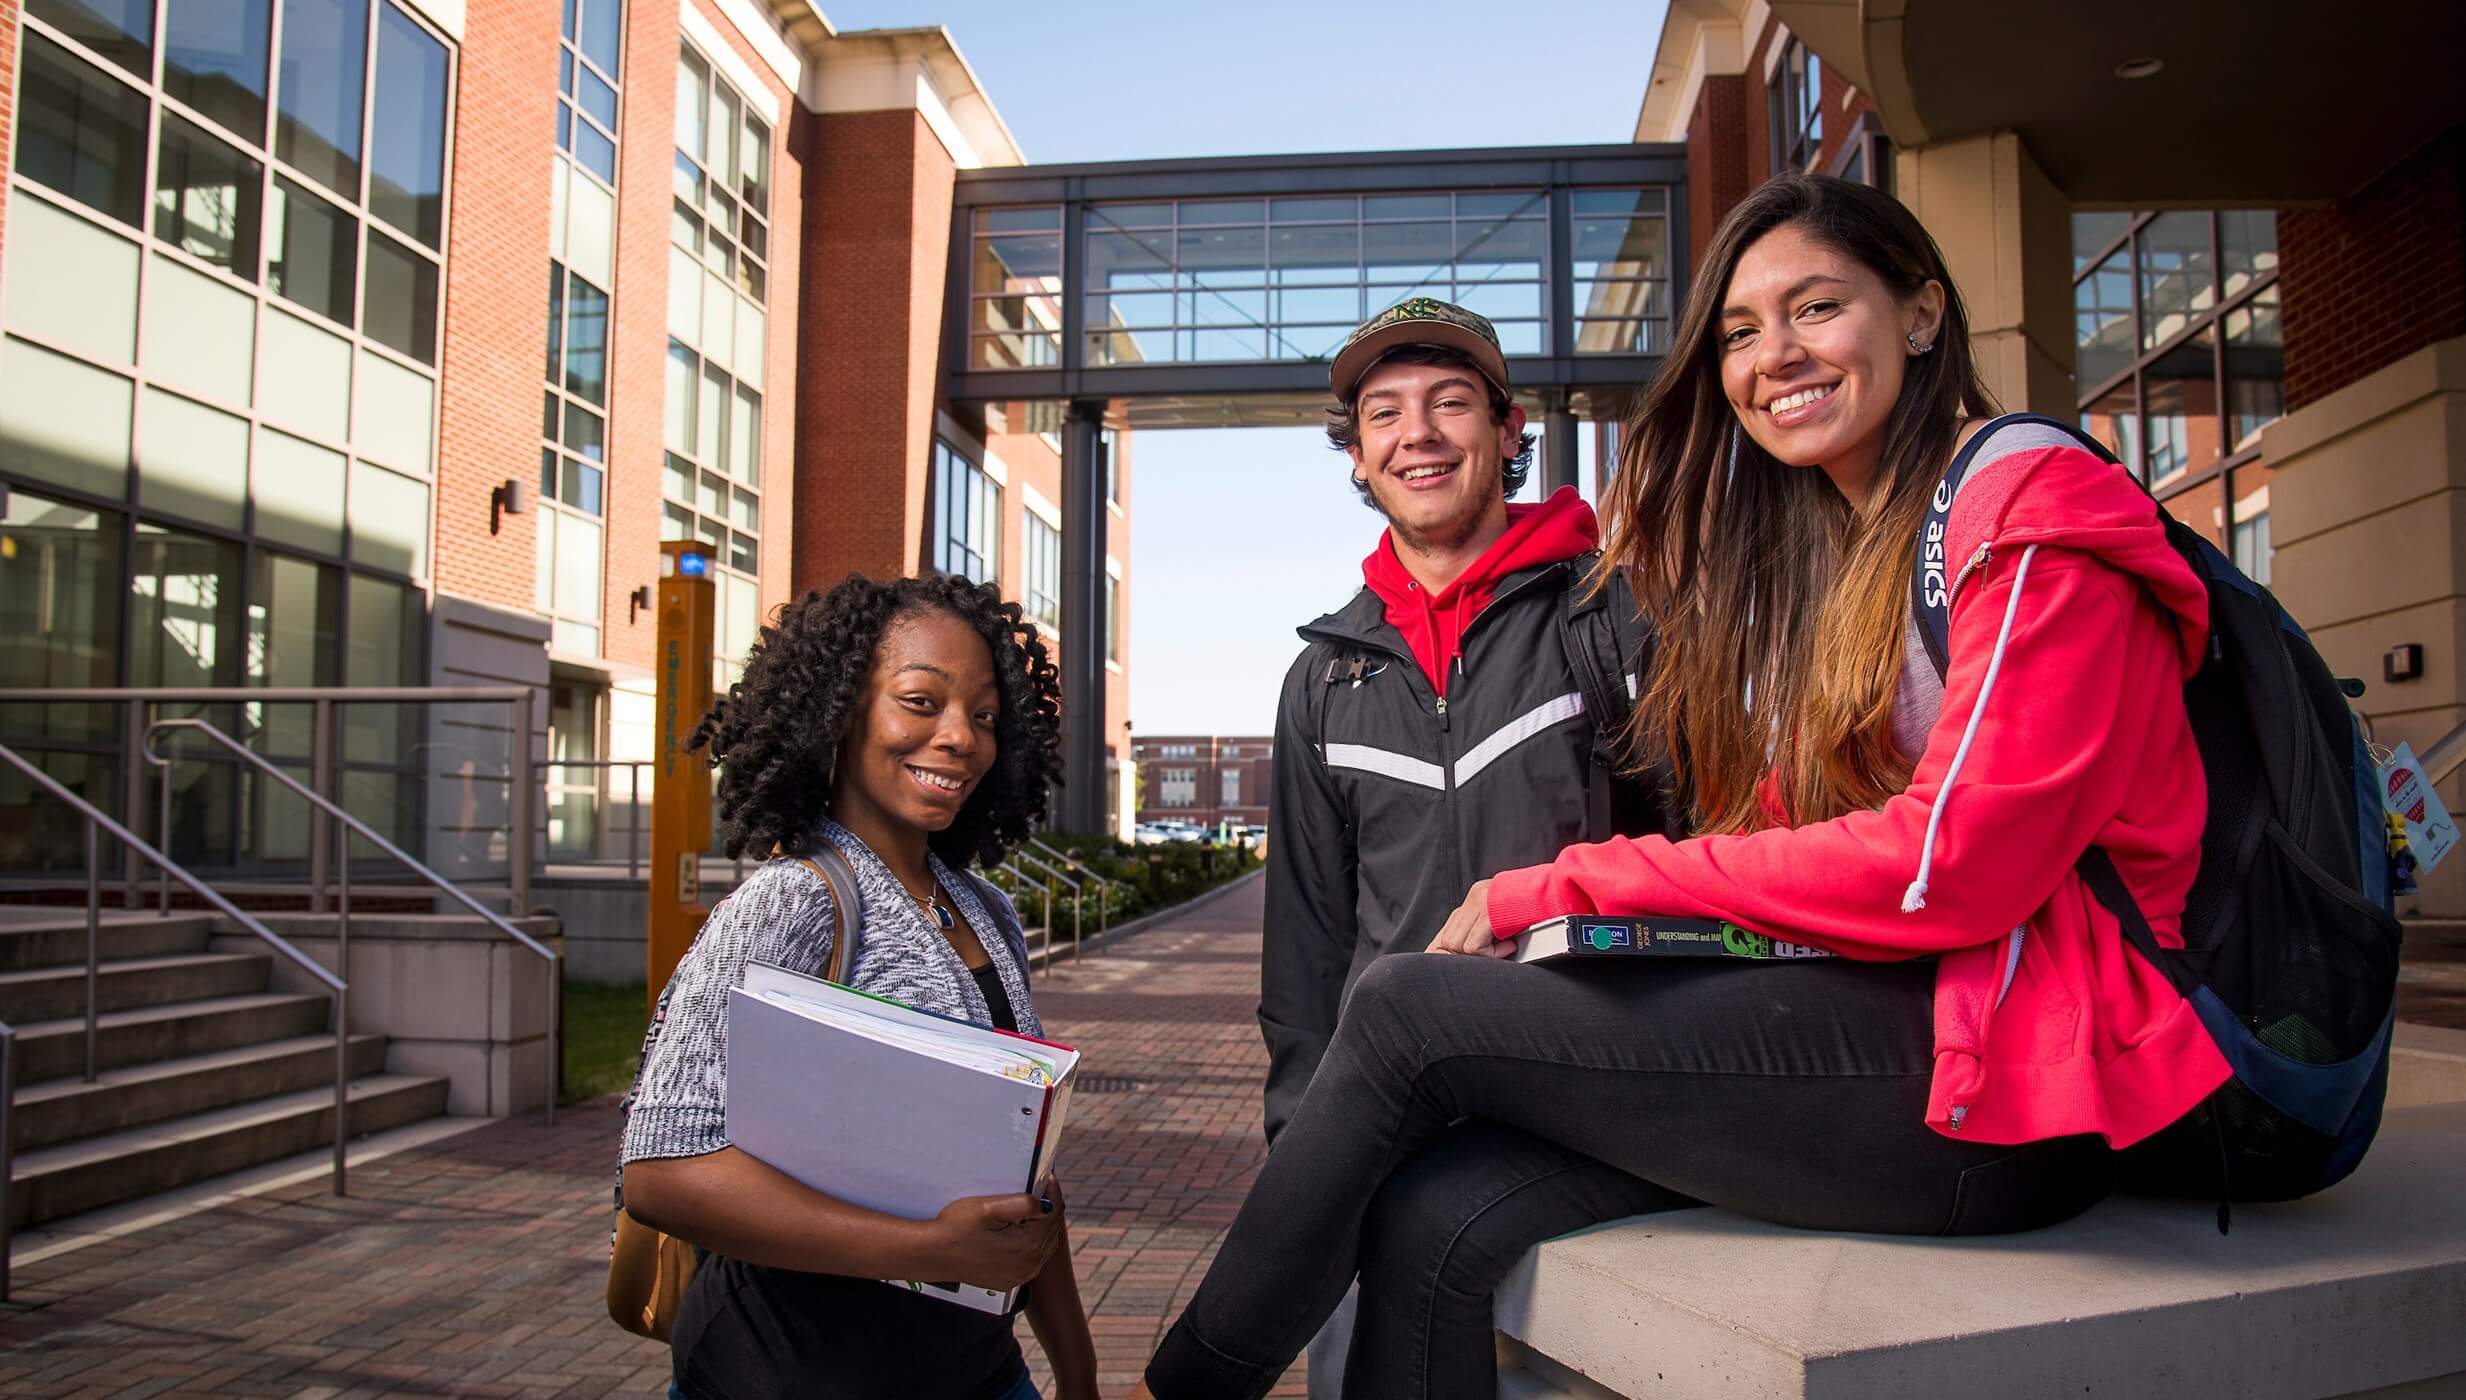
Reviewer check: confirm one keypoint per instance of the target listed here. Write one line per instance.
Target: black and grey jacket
(1390, 801)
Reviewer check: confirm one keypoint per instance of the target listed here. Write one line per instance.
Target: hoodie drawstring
(1915, 897)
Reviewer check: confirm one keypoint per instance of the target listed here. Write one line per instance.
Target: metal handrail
(342, 929)
(1104, 887)
(521, 793)
(633, 800)
(1078, 900)
(337, 987)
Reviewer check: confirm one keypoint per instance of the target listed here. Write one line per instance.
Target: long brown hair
(1781, 605)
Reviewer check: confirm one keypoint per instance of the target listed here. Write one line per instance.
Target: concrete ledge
(2358, 1289)
(2427, 1065)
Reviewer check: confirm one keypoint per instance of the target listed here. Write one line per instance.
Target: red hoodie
(2074, 628)
(1433, 624)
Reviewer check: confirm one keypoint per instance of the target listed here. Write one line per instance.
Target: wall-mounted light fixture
(2135, 68)
(2403, 662)
(635, 602)
(510, 497)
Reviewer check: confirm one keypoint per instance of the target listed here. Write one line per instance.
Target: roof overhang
(2254, 104)
(868, 70)
(1699, 39)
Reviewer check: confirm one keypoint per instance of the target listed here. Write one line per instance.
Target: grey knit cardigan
(782, 915)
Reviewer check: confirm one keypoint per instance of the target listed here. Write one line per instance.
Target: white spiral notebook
(888, 1107)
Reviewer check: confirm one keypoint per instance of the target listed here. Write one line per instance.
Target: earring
(1914, 347)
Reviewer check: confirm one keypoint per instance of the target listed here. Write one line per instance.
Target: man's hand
(1468, 929)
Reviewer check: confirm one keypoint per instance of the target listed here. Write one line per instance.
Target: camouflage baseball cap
(1418, 321)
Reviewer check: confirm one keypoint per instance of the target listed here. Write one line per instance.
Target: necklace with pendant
(932, 908)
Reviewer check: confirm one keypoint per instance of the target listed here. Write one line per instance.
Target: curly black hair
(776, 737)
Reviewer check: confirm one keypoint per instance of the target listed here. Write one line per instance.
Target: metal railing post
(94, 935)
(8, 1142)
(342, 907)
(132, 800)
(1078, 921)
(342, 1083)
(518, 813)
(633, 821)
(162, 838)
(320, 777)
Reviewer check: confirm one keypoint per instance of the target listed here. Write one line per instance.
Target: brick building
(2260, 306)
(1205, 779)
(274, 407)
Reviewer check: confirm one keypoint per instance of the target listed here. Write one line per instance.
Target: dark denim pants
(1795, 1092)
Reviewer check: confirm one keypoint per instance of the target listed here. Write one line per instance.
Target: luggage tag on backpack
(2430, 834)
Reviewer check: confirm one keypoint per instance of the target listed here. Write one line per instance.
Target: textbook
(888, 1107)
(1601, 936)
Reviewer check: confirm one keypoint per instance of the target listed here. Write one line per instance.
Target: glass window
(1797, 108)
(2252, 550)
(1113, 619)
(63, 420)
(2092, 234)
(325, 57)
(205, 198)
(383, 648)
(311, 386)
(120, 30)
(586, 340)
(60, 592)
(406, 167)
(692, 96)
(1043, 582)
(2178, 280)
(214, 59)
(70, 279)
(2102, 336)
(389, 519)
(2247, 247)
(298, 490)
(402, 299)
(2255, 368)
(970, 505)
(2180, 407)
(2115, 419)
(315, 246)
(196, 461)
(600, 32)
(184, 596)
(80, 132)
(199, 333)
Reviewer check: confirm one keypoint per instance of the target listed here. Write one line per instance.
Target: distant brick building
(1204, 778)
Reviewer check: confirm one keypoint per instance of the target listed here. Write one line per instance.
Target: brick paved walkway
(474, 1266)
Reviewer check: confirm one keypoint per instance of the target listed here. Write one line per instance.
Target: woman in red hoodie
(1985, 1042)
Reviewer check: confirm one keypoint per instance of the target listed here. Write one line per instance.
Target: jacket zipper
(1976, 562)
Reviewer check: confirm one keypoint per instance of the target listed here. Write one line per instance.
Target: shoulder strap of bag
(847, 911)
(1589, 636)
(1931, 574)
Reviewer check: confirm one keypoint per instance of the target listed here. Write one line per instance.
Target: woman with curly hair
(913, 724)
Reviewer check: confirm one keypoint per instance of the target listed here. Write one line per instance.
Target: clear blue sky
(1240, 536)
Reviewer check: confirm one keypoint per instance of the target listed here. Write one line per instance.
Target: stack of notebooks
(888, 1107)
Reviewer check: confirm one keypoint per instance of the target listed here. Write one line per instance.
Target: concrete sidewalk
(473, 1266)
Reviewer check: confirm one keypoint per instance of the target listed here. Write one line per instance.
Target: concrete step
(65, 1110)
(49, 993)
(53, 1049)
(94, 1172)
(50, 941)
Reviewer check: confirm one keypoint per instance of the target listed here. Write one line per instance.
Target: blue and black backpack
(2290, 943)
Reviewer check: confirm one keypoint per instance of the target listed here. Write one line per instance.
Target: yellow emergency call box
(681, 781)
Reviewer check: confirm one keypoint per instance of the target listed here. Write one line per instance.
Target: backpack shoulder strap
(1594, 652)
(847, 910)
(1931, 574)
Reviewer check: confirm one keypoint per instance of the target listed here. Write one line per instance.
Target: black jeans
(1795, 1092)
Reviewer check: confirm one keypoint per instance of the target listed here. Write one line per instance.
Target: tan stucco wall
(2006, 233)
(2368, 516)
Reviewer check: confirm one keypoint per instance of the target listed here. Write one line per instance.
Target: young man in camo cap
(1445, 724)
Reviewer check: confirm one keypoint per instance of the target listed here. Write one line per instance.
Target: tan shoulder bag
(648, 1271)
